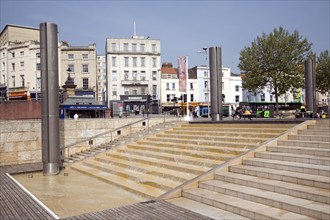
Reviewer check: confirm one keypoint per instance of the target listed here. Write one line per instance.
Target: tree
(275, 61)
(323, 72)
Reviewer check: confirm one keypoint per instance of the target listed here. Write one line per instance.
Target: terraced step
(239, 206)
(300, 150)
(235, 129)
(163, 172)
(130, 185)
(313, 132)
(135, 175)
(203, 142)
(324, 127)
(299, 158)
(255, 140)
(226, 147)
(324, 138)
(207, 162)
(222, 133)
(291, 189)
(175, 165)
(273, 199)
(289, 166)
(314, 144)
(232, 125)
(204, 209)
(193, 152)
(283, 175)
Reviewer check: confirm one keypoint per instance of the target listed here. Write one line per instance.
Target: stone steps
(214, 138)
(299, 143)
(131, 174)
(273, 199)
(164, 161)
(129, 185)
(236, 129)
(122, 140)
(313, 132)
(198, 153)
(319, 126)
(232, 125)
(321, 138)
(285, 176)
(172, 157)
(220, 147)
(243, 207)
(286, 179)
(222, 133)
(289, 166)
(300, 150)
(205, 209)
(298, 158)
(203, 142)
(292, 189)
(163, 172)
(175, 165)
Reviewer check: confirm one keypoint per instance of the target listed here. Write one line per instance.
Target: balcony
(134, 82)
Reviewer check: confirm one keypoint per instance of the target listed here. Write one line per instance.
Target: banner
(182, 74)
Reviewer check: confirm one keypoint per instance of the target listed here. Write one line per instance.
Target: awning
(85, 107)
(141, 100)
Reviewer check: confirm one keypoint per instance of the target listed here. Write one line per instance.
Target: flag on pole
(182, 74)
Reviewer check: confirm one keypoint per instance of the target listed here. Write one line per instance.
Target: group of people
(246, 112)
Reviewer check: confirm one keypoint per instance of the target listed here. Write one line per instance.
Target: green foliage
(323, 72)
(275, 60)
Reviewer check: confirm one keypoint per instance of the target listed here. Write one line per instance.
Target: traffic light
(223, 97)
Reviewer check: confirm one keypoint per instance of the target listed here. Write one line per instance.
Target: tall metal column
(49, 99)
(310, 89)
(216, 83)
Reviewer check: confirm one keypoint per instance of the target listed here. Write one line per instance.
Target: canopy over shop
(83, 106)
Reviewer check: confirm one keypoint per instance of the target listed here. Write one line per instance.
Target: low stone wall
(20, 140)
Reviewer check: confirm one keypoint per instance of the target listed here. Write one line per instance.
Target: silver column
(216, 83)
(49, 99)
(310, 90)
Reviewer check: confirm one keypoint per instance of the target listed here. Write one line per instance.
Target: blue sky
(183, 27)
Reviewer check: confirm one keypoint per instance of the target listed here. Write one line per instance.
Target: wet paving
(72, 193)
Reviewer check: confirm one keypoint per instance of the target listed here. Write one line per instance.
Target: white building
(20, 63)
(231, 86)
(101, 79)
(133, 72)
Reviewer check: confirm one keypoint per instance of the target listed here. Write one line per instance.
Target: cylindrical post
(49, 98)
(216, 83)
(310, 93)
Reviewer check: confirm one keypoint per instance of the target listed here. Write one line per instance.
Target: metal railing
(111, 132)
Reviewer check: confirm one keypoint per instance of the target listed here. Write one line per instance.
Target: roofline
(19, 26)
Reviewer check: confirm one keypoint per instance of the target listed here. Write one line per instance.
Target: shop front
(83, 107)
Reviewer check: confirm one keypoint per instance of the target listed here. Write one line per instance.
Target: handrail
(101, 134)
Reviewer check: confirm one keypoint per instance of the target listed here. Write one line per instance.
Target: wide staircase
(120, 141)
(288, 178)
(158, 163)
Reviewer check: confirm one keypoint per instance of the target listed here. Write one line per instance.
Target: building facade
(20, 64)
(80, 62)
(231, 88)
(133, 72)
(101, 80)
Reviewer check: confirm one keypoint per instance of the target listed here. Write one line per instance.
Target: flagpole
(187, 88)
